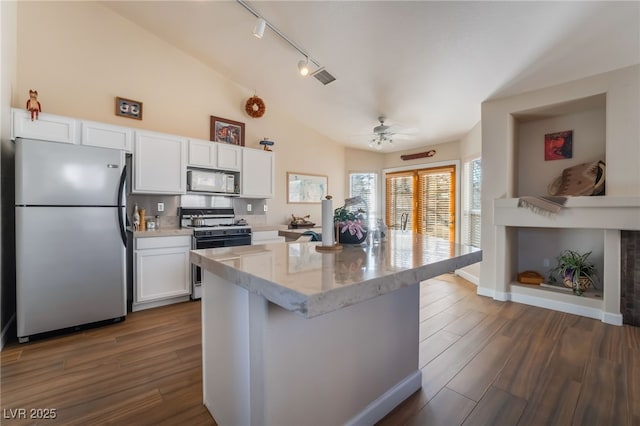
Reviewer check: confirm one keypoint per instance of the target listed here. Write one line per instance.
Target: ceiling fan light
(303, 67)
(258, 29)
(378, 146)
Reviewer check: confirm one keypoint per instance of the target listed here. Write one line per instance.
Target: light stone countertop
(313, 283)
(162, 232)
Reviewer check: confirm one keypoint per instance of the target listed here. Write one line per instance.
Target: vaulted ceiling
(427, 66)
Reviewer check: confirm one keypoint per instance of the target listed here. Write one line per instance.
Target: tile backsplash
(169, 217)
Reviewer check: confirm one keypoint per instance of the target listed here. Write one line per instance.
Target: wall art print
(227, 131)
(558, 146)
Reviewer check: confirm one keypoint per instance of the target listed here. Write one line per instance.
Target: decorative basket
(583, 283)
(347, 238)
(302, 225)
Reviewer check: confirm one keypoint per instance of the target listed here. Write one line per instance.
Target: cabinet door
(160, 165)
(202, 154)
(161, 273)
(257, 173)
(229, 157)
(106, 136)
(47, 127)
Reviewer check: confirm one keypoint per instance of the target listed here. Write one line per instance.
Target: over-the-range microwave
(213, 181)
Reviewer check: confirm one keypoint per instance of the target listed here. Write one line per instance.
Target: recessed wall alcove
(586, 224)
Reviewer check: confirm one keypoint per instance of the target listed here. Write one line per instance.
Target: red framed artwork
(227, 131)
(558, 146)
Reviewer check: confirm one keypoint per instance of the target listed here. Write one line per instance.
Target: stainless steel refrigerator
(70, 236)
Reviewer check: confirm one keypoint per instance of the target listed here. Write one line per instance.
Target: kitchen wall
(82, 55)
(8, 12)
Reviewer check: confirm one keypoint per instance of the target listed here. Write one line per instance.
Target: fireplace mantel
(604, 212)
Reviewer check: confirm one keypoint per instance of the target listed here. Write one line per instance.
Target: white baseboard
(383, 405)
(483, 291)
(613, 319)
(467, 276)
(5, 332)
(555, 305)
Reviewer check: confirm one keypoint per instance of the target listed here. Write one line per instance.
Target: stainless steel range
(212, 228)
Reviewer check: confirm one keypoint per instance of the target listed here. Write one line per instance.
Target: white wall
(589, 134)
(83, 55)
(8, 17)
(500, 162)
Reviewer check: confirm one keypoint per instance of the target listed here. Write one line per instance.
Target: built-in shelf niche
(586, 117)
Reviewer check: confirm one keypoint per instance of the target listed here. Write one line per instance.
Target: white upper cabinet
(47, 127)
(203, 154)
(106, 135)
(160, 163)
(257, 173)
(229, 157)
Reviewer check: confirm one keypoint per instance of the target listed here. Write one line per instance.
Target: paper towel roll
(327, 223)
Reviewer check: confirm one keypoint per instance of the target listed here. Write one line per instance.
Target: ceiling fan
(383, 133)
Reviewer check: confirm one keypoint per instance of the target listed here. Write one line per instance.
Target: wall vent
(323, 76)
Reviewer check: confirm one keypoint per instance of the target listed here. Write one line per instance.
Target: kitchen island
(293, 336)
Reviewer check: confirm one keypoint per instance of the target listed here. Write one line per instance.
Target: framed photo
(558, 146)
(306, 188)
(128, 108)
(227, 131)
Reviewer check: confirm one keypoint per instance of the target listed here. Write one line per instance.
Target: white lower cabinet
(161, 271)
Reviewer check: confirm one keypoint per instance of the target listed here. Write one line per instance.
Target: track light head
(303, 67)
(258, 29)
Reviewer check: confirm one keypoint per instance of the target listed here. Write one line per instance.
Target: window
(422, 201)
(366, 186)
(471, 203)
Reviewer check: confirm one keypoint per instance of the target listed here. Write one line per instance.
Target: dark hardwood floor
(483, 362)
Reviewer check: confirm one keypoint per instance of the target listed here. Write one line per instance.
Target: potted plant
(575, 270)
(350, 225)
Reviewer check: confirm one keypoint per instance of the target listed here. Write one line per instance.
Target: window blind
(472, 203)
(426, 196)
(365, 185)
(399, 199)
(436, 202)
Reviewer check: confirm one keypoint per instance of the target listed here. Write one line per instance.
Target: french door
(422, 201)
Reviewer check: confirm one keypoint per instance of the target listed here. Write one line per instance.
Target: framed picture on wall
(306, 188)
(558, 146)
(227, 131)
(128, 108)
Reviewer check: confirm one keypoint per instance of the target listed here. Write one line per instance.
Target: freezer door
(70, 267)
(49, 173)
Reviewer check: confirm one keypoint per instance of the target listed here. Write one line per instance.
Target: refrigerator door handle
(121, 188)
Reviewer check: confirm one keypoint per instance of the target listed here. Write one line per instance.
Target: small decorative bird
(267, 143)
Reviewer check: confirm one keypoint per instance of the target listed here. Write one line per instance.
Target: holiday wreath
(255, 107)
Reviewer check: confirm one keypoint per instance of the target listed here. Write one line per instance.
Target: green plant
(571, 266)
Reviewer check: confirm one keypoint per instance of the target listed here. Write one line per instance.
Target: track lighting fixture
(258, 30)
(303, 67)
(321, 74)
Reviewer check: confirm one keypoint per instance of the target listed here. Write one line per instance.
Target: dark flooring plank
(434, 346)
(603, 399)
(496, 407)
(478, 375)
(445, 409)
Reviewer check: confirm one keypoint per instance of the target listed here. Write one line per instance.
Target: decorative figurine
(33, 106)
(267, 143)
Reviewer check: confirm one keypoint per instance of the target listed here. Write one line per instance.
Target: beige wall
(444, 152)
(83, 55)
(500, 161)
(534, 173)
(471, 143)
(7, 84)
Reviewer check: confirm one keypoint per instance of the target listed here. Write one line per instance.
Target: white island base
(265, 365)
